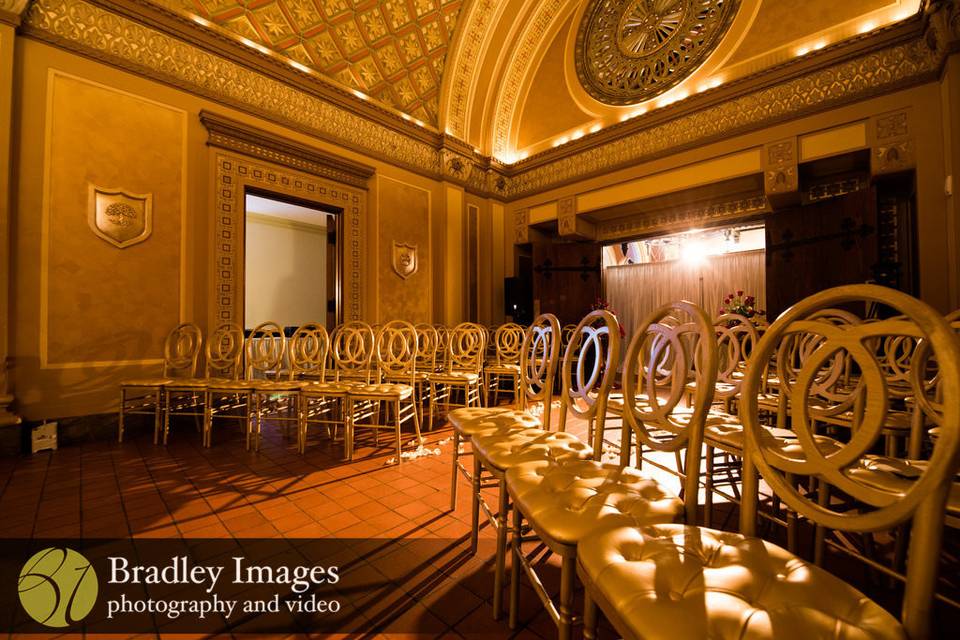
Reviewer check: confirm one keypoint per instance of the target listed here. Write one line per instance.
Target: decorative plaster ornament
(122, 219)
(405, 262)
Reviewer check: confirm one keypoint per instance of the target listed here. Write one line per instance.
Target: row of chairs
(807, 406)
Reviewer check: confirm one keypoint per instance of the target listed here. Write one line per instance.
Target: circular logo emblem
(57, 587)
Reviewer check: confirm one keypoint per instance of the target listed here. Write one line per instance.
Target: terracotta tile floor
(138, 489)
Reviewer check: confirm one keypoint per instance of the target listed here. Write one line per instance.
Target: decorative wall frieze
(227, 133)
(780, 172)
(676, 219)
(569, 224)
(521, 226)
(11, 11)
(892, 145)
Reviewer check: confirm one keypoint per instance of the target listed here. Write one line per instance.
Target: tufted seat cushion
(146, 382)
(896, 476)
(384, 390)
(567, 500)
(691, 583)
(276, 386)
(227, 384)
(476, 420)
(725, 430)
(454, 377)
(512, 447)
(328, 388)
(505, 369)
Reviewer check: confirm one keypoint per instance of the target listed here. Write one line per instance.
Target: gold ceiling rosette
(629, 51)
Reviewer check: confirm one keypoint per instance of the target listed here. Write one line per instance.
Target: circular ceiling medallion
(629, 51)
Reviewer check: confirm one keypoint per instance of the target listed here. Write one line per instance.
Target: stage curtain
(637, 289)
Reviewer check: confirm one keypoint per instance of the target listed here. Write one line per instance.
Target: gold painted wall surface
(100, 303)
(405, 218)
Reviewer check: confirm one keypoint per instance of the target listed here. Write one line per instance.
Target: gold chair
(564, 501)
(144, 396)
(539, 356)
(227, 394)
(678, 582)
(307, 352)
(353, 345)
(507, 341)
(463, 364)
(272, 395)
(396, 352)
(428, 346)
(321, 401)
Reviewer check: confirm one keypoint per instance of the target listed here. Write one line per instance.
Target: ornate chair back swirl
(508, 340)
(266, 349)
(539, 359)
(181, 350)
(224, 352)
(834, 466)
(736, 337)
(428, 345)
(465, 348)
(927, 383)
(308, 348)
(443, 341)
(396, 351)
(589, 368)
(353, 347)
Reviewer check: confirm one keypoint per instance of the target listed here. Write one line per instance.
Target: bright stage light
(694, 252)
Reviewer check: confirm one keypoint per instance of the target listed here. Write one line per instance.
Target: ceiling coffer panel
(390, 50)
(629, 51)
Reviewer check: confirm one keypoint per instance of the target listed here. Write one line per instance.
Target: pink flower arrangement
(741, 304)
(602, 305)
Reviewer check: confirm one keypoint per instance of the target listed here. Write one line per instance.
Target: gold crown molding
(679, 219)
(233, 174)
(121, 41)
(237, 136)
(11, 11)
(683, 126)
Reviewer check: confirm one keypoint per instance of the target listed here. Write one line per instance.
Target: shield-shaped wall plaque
(404, 259)
(120, 218)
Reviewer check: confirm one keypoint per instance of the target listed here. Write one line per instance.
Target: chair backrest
(428, 346)
(353, 346)
(589, 368)
(927, 382)
(181, 350)
(266, 349)
(736, 338)
(539, 359)
(466, 345)
(508, 341)
(834, 465)
(675, 345)
(443, 337)
(224, 352)
(307, 352)
(396, 351)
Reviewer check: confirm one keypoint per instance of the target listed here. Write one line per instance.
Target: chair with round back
(563, 501)
(228, 394)
(747, 587)
(144, 396)
(272, 395)
(539, 359)
(395, 352)
(352, 345)
(307, 352)
(463, 364)
(507, 342)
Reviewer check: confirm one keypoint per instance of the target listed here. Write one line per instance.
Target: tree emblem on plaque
(405, 262)
(121, 218)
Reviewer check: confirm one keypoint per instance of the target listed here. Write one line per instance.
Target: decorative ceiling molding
(11, 11)
(393, 51)
(674, 219)
(227, 133)
(466, 51)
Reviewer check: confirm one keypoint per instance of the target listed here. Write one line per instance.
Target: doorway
(292, 265)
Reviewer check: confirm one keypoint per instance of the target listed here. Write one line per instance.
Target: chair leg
(503, 513)
(166, 421)
(589, 617)
(433, 402)
(708, 489)
(123, 399)
(455, 471)
(515, 532)
(568, 572)
(475, 505)
(396, 411)
(207, 418)
(416, 423)
(348, 431)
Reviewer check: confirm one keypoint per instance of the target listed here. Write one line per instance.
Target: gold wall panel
(101, 305)
(404, 218)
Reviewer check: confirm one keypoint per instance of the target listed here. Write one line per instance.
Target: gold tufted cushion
(693, 583)
(318, 389)
(146, 382)
(226, 384)
(385, 390)
(476, 420)
(268, 386)
(455, 377)
(188, 383)
(511, 447)
(505, 369)
(567, 500)
(896, 476)
(725, 430)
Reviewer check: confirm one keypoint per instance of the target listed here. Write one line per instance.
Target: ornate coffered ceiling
(391, 50)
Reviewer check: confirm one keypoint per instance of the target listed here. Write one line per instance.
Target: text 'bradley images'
(181, 571)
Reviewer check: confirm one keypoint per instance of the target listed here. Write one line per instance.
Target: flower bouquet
(602, 305)
(743, 305)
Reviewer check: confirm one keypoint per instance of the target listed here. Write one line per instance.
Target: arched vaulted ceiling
(502, 75)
